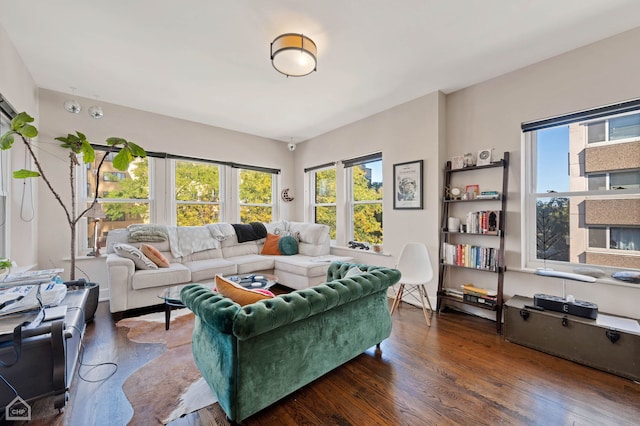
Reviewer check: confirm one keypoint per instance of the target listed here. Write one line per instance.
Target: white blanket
(185, 240)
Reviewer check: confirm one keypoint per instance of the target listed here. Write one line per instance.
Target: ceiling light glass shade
(96, 112)
(294, 55)
(72, 106)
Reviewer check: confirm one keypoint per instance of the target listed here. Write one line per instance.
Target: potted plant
(77, 144)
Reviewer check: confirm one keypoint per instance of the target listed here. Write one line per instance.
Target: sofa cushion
(175, 274)
(252, 263)
(288, 245)
(238, 294)
(130, 252)
(154, 255)
(305, 266)
(271, 245)
(202, 270)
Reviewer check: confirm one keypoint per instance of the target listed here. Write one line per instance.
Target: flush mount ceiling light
(294, 55)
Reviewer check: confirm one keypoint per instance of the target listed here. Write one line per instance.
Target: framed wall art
(407, 185)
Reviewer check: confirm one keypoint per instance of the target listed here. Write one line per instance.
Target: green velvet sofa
(253, 356)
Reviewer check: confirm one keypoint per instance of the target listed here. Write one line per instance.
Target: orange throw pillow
(154, 255)
(238, 294)
(271, 245)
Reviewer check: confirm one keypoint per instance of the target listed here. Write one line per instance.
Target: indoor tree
(77, 145)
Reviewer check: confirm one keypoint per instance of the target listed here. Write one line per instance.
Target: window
(583, 199)
(364, 178)
(113, 176)
(323, 201)
(125, 195)
(5, 125)
(197, 193)
(255, 191)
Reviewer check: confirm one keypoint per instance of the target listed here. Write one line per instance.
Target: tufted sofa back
(251, 320)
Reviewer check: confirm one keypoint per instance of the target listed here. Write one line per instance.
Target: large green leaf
(20, 120)
(88, 152)
(137, 150)
(28, 131)
(122, 160)
(113, 141)
(24, 174)
(6, 140)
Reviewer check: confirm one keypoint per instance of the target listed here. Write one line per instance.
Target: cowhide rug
(170, 385)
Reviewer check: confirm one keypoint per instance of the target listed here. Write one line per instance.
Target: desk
(48, 357)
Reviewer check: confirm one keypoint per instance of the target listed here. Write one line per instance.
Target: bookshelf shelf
(456, 249)
(465, 302)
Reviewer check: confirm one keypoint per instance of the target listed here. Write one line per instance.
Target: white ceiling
(208, 60)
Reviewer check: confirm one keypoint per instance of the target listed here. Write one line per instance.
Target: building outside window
(364, 179)
(256, 190)
(323, 199)
(125, 200)
(583, 197)
(198, 195)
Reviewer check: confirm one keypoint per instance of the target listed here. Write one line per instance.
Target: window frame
(275, 174)
(529, 197)
(222, 187)
(312, 173)
(84, 199)
(350, 196)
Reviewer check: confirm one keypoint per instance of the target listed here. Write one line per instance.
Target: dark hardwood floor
(458, 372)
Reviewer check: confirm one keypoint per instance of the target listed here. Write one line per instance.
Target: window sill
(606, 280)
(361, 251)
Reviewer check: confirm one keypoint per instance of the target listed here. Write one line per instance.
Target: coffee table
(172, 300)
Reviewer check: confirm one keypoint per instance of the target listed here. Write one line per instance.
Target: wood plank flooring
(458, 372)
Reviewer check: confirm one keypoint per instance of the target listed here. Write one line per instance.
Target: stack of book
(480, 296)
(470, 256)
(452, 292)
(483, 222)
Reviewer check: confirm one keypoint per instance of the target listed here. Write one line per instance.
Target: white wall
(154, 133)
(18, 87)
(488, 115)
(409, 132)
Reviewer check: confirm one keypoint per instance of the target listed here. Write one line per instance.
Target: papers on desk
(30, 277)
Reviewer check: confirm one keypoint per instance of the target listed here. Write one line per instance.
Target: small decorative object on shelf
(457, 162)
(484, 157)
(469, 159)
(454, 193)
(472, 191)
(459, 242)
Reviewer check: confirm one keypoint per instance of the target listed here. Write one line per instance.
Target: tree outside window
(256, 196)
(197, 193)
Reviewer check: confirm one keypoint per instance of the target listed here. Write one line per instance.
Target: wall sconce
(294, 55)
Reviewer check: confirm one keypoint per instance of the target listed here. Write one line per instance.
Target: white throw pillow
(130, 252)
(353, 271)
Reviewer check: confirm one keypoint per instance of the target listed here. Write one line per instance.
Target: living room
(433, 127)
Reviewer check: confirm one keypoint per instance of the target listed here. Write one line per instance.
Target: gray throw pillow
(130, 252)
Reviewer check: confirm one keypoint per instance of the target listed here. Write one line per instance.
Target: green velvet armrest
(215, 310)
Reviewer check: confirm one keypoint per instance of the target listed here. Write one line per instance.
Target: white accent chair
(415, 265)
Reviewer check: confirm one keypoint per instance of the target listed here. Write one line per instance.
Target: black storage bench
(48, 356)
(583, 340)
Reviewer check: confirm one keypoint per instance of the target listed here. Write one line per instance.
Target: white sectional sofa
(131, 287)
